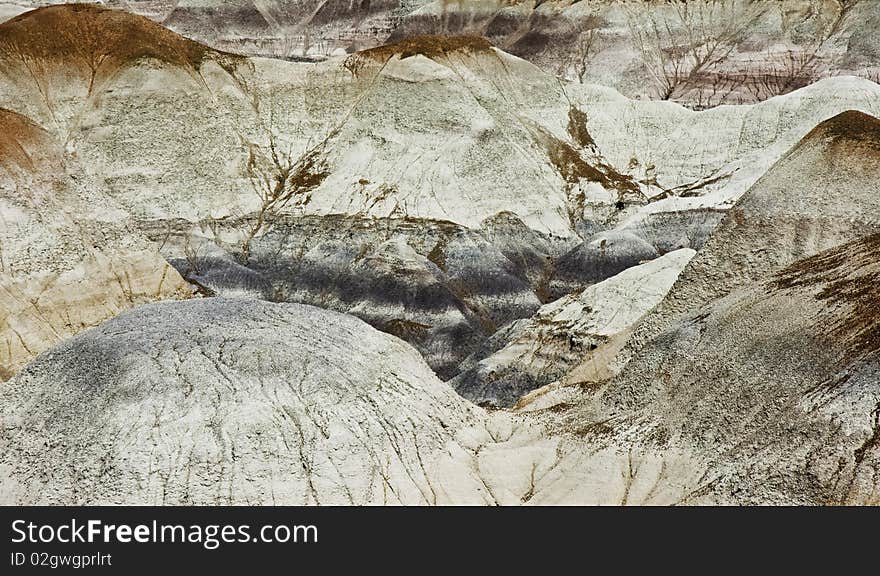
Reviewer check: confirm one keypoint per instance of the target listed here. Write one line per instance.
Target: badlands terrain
(594, 252)
(700, 53)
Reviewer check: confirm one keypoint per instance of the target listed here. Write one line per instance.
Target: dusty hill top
(93, 39)
(431, 46)
(851, 126)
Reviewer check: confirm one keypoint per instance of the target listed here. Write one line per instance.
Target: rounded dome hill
(226, 401)
(92, 40)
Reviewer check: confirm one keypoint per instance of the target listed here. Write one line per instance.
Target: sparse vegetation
(405, 329)
(689, 47)
(573, 168)
(685, 39)
(587, 40)
(437, 254)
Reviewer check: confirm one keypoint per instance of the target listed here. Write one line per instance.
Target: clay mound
(93, 40)
(820, 195)
(851, 126)
(227, 401)
(431, 46)
(24, 146)
(774, 387)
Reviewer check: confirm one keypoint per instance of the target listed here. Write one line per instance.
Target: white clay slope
(580, 329)
(459, 136)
